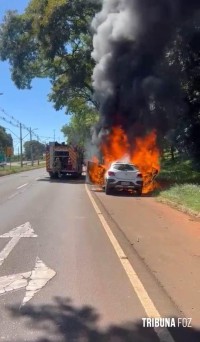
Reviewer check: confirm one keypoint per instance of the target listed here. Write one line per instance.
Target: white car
(123, 176)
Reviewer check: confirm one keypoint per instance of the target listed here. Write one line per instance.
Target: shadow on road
(63, 322)
(63, 180)
(119, 193)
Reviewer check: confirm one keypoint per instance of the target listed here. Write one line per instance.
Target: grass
(180, 185)
(4, 171)
(179, 171)
(185, 197)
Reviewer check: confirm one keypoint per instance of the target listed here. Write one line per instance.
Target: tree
(78, 131)
(34, 146)
(183, 58)
(5, 139)
(51, 39)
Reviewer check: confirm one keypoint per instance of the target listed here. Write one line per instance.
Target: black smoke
(130, 38)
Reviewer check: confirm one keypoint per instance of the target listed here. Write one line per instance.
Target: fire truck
(71, 160)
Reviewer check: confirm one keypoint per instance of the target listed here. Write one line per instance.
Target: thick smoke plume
(130, 37)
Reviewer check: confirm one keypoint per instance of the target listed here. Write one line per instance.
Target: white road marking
(13, 195)
(22, 186)
(23, 231)
(149, 307)
(33, 281)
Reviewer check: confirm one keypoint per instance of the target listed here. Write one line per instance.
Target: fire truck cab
(71, 160)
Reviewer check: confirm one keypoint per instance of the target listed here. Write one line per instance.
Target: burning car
(142, 157)
(123, 176)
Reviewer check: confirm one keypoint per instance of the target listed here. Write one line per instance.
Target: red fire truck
(71, 160)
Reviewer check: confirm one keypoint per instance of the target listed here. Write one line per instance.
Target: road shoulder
(154, 237)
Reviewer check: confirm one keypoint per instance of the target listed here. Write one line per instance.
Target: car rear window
(124, 167)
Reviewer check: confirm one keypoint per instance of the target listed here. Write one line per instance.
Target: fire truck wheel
(53, 175)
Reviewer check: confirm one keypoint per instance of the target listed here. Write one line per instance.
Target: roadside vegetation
(7, 170)
(179, 180)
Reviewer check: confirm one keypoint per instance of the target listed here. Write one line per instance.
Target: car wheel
(108, 190)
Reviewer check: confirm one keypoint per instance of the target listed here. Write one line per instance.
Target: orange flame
(145, 155)
(96, 171)
(116, 146)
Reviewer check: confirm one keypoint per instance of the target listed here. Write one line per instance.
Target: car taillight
(110, 173)
(139, 175)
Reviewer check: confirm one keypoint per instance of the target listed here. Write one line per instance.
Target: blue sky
(31, 107)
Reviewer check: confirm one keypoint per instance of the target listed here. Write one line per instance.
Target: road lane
(95, 295)
(11, 185)
(167, 241)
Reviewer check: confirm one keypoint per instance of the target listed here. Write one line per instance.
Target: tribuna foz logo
(159, 322)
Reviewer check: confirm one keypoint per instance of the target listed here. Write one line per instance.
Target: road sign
(32, 281)
(9, 151)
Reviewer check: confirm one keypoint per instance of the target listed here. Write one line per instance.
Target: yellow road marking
(149, 307)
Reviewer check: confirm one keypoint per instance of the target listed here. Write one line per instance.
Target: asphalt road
(63, 276)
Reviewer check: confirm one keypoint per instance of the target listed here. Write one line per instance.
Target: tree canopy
(78, 131)
(33, 146)
(183, 59)
(51, 39)
(5, 139)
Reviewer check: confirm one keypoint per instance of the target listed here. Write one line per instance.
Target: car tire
(108, 190)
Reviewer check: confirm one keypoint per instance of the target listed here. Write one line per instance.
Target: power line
(9, 122)
(17, 122)
(45, 137)
(10, 116)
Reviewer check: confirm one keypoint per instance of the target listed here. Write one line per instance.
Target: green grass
(186, 196)
(4, 171)
(179, 171)
(180, 185)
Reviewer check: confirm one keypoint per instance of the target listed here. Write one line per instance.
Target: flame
(116, 147)
(146, 157)
(96, 171)
(143, 152)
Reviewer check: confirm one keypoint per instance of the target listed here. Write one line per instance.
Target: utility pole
(31, 145)
(21, 155)
(54, 136)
